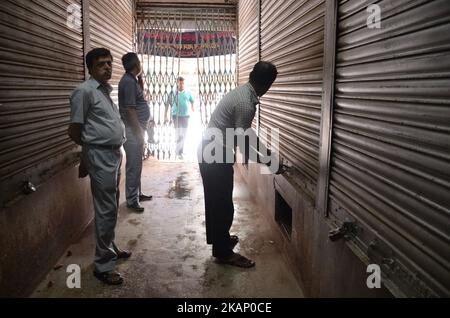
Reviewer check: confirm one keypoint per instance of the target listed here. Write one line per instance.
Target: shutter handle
(347, 229)
(28, 187)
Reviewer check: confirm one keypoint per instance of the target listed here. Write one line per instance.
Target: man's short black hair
(95, 54)
(180, 79)
(129, 61)
(263, 74)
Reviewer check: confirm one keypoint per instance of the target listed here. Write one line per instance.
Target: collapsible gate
(165, 38)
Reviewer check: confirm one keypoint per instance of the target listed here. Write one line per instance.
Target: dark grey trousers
(134, 151)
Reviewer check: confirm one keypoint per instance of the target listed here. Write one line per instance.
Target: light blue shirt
(92, 106)
(180, 102)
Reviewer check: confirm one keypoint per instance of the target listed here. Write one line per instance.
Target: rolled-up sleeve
(79, 105)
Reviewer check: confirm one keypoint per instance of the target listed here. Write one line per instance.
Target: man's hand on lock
(282, 169)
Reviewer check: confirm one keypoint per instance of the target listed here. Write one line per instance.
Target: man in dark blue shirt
(135, 113)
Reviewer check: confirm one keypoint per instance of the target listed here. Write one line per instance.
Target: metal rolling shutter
(42, 62)
(292, 35)
(391, 140)
(248, 51)
(112, 28)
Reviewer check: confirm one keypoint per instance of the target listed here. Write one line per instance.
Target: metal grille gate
(216, 72)
(168, 41)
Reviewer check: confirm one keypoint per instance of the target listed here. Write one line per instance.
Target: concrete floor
(170, 256)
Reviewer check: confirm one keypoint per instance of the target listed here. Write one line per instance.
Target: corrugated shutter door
(391, 141)
(112, 28)
(248, 54)
(42, 62)
(292, 35)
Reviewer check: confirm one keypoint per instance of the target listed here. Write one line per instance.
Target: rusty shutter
(292, 37)
(42, 62)
(391, 141)
(112, 28)
(248, 51)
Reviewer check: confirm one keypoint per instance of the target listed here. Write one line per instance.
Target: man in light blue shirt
(179, 102)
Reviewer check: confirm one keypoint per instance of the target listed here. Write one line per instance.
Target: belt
(107, 147)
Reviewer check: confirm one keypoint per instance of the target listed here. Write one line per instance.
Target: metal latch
(345, 231)
(28, 187)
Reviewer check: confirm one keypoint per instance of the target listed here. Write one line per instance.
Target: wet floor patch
(180, 188)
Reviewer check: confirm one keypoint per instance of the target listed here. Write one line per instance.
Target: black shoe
(144, 197)
(135, 207)
(121, 254)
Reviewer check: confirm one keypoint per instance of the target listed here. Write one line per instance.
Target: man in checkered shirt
(235, 113)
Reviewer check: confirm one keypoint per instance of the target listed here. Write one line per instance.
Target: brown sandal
(237, 260)
(109, 278)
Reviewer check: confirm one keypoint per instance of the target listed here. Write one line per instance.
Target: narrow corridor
(170, 256)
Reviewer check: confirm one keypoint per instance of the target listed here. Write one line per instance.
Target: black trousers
(219, 208)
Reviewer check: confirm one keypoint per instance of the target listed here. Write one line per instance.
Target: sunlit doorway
(198, 45)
